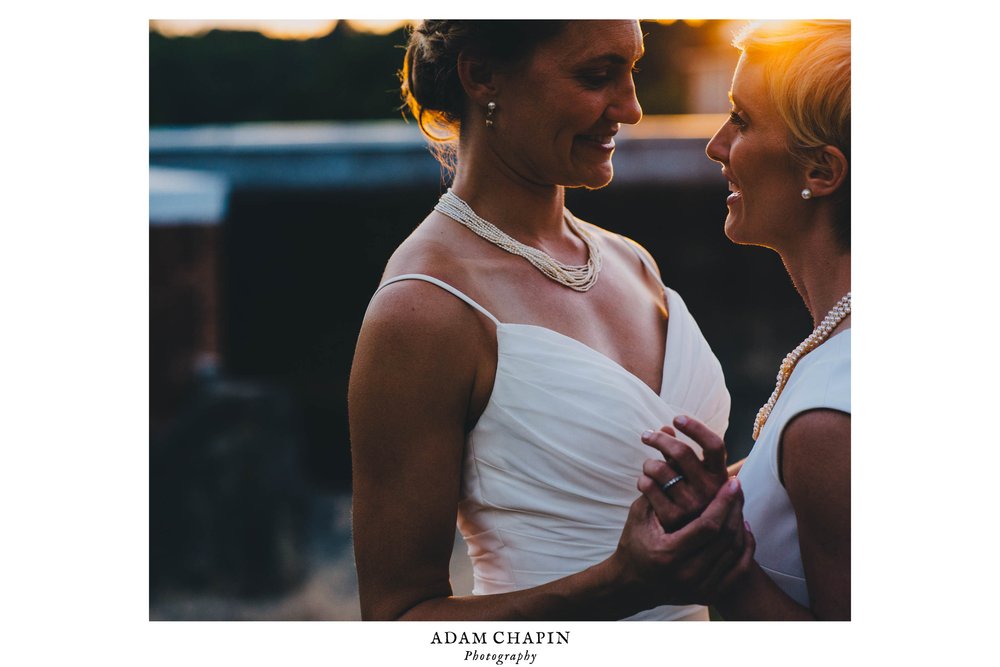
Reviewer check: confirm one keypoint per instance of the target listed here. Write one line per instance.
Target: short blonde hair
(807, 74)
(807, 71)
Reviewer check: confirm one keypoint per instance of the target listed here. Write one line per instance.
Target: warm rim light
(275, 28)
(280, 29)
(379, 26)
(694, 23)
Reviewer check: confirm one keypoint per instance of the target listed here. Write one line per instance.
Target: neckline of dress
(580, 343)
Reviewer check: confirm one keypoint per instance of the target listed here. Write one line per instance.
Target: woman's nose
(718, 146)
(626, 108)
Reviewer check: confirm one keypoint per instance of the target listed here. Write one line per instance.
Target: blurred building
(186, 210)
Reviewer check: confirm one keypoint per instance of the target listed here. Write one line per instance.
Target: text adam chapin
(501, 638)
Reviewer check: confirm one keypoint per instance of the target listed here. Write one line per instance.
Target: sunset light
(691, 22)
(275, 28)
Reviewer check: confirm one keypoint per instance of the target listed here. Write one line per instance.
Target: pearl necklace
(580, 278)
(841, 310)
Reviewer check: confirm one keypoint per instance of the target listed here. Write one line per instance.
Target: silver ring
(671, 482)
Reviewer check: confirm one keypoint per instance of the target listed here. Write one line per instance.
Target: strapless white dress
(551, 466)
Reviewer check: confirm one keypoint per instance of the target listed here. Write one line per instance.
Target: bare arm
(407, 407)
(419, 355)
(816, 467)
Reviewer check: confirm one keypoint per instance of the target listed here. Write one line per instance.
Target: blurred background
(281, 178)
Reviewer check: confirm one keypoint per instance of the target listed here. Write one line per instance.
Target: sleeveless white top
(551, 466)
(821, 379)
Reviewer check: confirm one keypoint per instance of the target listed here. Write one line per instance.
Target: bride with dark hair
(513, 355)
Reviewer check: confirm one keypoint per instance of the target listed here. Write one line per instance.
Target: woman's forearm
(650, 567)
(597, 593)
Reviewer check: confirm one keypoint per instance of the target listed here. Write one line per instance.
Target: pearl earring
(807, 193)
(490, 108)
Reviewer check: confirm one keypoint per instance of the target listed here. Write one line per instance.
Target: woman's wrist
(618, 587)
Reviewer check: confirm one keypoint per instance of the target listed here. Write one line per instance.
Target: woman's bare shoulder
(816, 461)
(624, 248)
(430, 250)
(418, 306)
(628, 252)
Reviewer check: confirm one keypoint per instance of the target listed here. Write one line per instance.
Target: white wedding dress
(551, 466)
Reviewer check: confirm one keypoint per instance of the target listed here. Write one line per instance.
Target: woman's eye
(595, 78)
(735, 119)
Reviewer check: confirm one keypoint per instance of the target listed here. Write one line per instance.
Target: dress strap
(443, 285)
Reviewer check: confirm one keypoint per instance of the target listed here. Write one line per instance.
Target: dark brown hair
(431, 88)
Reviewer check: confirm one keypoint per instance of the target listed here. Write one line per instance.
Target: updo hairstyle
(431, 88)
(807, 73)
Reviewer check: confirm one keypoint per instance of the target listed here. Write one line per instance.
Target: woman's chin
(734, 230)
(591, 169)
(596, 178)
(598, 184)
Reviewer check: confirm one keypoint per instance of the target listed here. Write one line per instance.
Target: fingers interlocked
(681, 485)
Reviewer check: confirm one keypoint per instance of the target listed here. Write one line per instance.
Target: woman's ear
(827, 172)
(478, 78)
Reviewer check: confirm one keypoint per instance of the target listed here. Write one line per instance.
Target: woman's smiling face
(764, 178)
(558, 113)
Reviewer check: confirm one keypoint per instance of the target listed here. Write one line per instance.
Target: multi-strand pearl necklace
(836, 315)
(580, 278)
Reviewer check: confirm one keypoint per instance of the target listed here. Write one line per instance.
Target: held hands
(687, 498)
(688, 540)
(691, 565)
